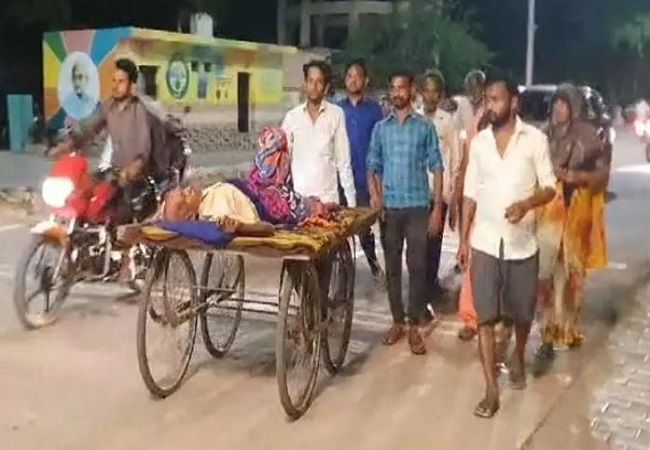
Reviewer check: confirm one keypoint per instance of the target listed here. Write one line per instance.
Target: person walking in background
(571, 229)
(470, 105)
(361, 115)
(504, 260)
(318, 141)
(403, 149)
(433, 87)
(471, 114)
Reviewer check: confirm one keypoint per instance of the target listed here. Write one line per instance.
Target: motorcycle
(642, 130)
(77, 243)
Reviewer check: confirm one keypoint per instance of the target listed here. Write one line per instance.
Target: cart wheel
(298, 337)
(169, 307)
(222, 299)
(339, 309)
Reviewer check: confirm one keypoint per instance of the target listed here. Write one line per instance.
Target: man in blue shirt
(361, 115)
(403, 150)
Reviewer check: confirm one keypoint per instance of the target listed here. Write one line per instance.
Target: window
(148, 74)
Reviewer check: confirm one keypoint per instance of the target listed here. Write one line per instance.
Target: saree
(571, 236)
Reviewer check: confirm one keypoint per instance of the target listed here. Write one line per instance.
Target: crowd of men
(414, 163)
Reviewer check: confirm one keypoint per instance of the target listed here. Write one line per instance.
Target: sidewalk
(24, 170)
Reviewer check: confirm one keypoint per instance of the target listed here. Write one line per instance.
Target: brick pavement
(620, 413)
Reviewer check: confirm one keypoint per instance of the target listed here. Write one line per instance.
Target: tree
(419, 37)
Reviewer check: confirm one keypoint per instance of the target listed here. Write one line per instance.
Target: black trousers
(410, 225)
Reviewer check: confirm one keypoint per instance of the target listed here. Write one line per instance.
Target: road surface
(76, 385)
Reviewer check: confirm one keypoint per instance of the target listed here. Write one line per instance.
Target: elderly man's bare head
(79, 78)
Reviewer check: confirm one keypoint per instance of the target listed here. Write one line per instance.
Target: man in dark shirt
(361, 115)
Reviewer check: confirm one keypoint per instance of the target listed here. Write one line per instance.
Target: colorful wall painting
(185, 69)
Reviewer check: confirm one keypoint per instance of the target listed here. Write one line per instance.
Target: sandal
(416, 341)
(466, 334)
(394, 334)
(486, 410)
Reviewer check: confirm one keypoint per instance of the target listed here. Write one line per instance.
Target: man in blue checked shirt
(361, 116)
(403, 150)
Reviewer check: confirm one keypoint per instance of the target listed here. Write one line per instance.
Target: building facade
(326, 23)
(240, 83)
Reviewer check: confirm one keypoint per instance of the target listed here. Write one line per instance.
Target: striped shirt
(403, 154)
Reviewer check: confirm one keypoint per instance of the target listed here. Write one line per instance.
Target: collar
(362, 101)
(322, 107)
(520, 127)
(412, 114)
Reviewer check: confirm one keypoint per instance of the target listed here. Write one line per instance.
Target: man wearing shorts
(509, 175)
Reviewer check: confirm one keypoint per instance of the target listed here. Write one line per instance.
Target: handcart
(314, 305)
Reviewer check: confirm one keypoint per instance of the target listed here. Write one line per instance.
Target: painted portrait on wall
(177, 76)
(78, 88)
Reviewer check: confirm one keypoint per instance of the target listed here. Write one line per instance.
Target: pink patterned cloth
(269, 180)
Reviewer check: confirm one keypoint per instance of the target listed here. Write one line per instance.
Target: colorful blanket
(312, 237)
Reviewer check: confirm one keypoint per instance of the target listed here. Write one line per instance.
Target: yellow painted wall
(189, 62)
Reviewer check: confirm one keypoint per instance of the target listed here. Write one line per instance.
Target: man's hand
(516, 212)
(463, 256)
(435, 222)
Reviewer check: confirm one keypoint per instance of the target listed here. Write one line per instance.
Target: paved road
(76, 385)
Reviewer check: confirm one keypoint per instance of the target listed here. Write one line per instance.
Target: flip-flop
(485, 410)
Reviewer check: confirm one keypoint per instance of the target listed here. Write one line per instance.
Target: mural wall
(178, 68)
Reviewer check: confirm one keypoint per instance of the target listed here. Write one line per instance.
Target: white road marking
(635, 168)
(617, 265)
(13, 226)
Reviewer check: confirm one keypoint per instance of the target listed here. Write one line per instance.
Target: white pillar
(305, 23)
(281, 22)
(530, 48)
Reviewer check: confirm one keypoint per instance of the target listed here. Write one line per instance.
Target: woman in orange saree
(570, 229)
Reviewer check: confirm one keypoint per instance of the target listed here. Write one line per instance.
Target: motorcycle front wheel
(43, 272)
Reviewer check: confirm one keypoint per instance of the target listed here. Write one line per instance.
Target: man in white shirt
(433, 88)
(509, 174)
(318, 141)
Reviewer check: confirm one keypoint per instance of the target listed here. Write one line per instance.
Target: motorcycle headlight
(612, 136)
(56, 191)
